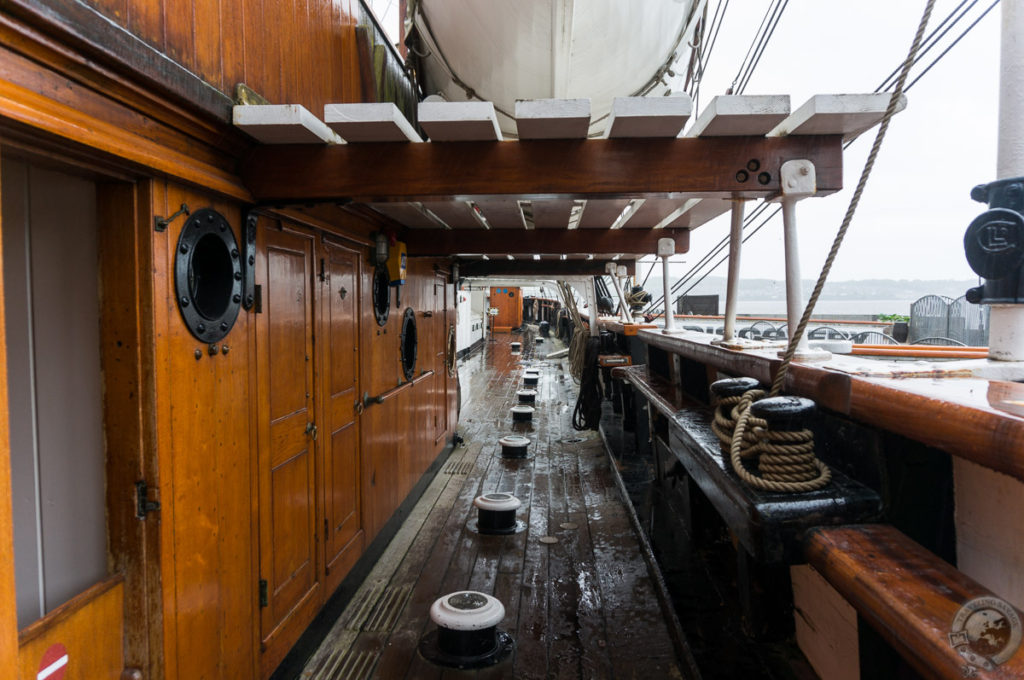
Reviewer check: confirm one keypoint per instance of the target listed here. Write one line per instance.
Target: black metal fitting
(733, 387)
(994, 243)
(784, 414)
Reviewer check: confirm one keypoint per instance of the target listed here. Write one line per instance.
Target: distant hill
(866, 289)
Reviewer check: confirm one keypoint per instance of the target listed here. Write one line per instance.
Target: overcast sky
(913, 215)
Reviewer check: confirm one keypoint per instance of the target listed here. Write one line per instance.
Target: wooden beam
(539, 268)
(547, 241)
(577, 169)
(910, 596)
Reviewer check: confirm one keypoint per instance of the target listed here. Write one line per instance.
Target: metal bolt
(804, 170)
(234, 253)
(248, 301)
(198, 354)
(238, 276)
(201, 328)
(224, 326)
(236, 298)
(252, 260)
(764, 178)
(742, 176)
(184, 248)
(213, 349)
(223, 227)
(184, 301)
(209, 217)
(224, 349)
(753, 165)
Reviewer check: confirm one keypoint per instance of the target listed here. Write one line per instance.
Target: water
(831, 307)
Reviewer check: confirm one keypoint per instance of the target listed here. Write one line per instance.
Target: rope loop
(785, 460)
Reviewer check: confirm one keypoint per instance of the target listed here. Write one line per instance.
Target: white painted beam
(648, 116)
(370, 122)
(837, 114)
(736, 115)
(282, 124)
(553, 118)
(459, 121)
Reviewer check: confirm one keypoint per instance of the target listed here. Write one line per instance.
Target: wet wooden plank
(559, 598)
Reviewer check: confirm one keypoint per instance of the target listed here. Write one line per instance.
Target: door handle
(311, 431)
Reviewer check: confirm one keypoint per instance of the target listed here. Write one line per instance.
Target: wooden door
(339, 305)
(439, 337)
(290, 590)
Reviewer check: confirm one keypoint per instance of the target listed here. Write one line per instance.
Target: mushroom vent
(467, 634)
(527, 396)
(530, 378)
(516, 346)
(522, 413)
(538, 340)
(514, 446)
(496, 514)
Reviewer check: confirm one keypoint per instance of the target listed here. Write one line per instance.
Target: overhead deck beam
(576, 169)
(422, 242)
(557, 269)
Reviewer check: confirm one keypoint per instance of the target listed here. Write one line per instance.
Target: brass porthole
(208, 275)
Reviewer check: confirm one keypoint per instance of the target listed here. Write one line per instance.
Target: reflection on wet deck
(583, 606)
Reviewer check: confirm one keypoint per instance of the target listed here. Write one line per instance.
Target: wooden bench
(909, 595)
(771, 526)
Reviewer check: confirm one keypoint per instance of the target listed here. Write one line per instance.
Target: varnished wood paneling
(340, 323)
(205, 465)
(90, 628)
(8, 601)
(127, 366)
(287, 498)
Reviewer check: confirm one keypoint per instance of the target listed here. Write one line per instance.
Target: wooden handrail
(909, 595)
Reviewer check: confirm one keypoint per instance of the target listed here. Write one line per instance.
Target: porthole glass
(208, 275)
(408, 343)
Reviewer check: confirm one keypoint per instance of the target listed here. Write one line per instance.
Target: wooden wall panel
(205, 458)
(290, 51)
(89, 626)
(8, 600)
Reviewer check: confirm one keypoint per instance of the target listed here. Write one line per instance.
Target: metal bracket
(249, 260)
(143, 504)
(161, 223)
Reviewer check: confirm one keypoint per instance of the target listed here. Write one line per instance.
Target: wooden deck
(583, 607)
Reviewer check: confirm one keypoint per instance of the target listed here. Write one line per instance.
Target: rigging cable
(761, 46)
(780, 376)
(934, 37)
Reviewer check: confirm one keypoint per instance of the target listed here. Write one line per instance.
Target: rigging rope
(785, 459)
(869, 165)
(930, 41)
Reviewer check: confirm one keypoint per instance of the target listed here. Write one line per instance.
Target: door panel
(287, 499)
(342, 519)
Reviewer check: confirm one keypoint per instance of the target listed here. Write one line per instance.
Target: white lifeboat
(553, 49)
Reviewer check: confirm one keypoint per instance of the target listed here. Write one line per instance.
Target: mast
(1006, 332)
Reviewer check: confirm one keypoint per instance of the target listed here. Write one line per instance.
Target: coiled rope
(786, 460)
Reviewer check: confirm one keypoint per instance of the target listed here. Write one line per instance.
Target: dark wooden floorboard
(582, 607)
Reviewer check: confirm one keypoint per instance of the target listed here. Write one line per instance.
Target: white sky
(916, 207)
